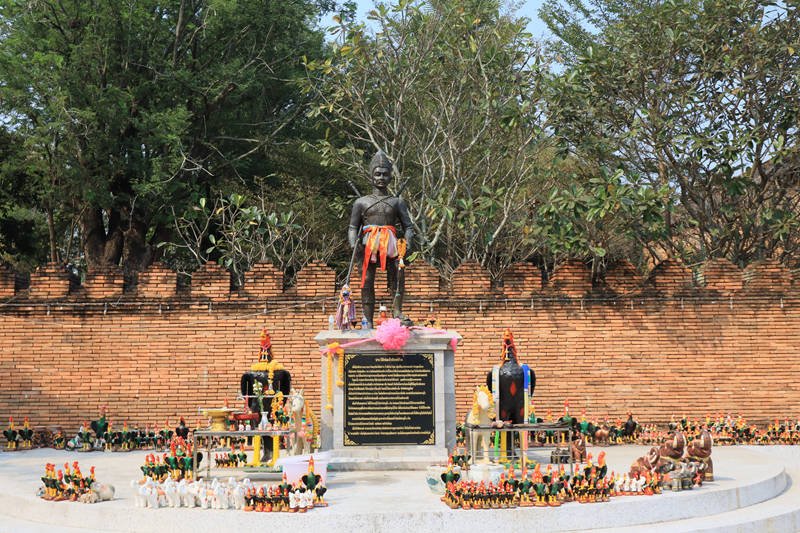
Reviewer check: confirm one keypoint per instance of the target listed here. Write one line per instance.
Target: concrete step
(778, 514)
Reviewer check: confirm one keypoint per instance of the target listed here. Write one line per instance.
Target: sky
(528, 9)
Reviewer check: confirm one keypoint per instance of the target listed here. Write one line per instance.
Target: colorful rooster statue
(85, 438)
(26, 435)
(11, 435)
(100, 426)
(512, 382)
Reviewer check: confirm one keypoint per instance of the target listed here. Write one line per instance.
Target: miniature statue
(671, 452)
(373, 222)
(578, 448)
(25, 435)
(629, 430)
(449, 475)
(646, 463)
(345, 318)
(100, 426)
(82, 439)
(59, 439)
(382, 315)
(602, 435)
(304, 430)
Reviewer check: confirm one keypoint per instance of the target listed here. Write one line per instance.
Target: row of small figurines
(238, 495)
(70, 485)
(650, 434)
(474, 495)
(85, 441)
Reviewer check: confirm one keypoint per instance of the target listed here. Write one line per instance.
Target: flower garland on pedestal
(334, 348)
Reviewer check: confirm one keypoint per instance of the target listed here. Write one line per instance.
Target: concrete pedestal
(390, 456)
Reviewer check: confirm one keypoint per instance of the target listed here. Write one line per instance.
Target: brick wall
(655, 347)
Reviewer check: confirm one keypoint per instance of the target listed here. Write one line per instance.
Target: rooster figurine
(85, 438)
(59, 440)
(512, 383)
(182, 431)
(629, 429)
(313, 482)
(26, 435)
(11, 435)
(100, 426)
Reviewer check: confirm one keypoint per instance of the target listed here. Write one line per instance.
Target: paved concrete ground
(753, 487)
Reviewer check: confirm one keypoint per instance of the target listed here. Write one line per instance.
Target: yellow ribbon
(329, 405)
(334, 349)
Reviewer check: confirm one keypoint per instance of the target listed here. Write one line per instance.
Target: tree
(23, 227)
(698, 98)
(128, 109)
(452, 92)
(239, 232)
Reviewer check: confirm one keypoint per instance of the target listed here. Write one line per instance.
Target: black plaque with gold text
(388, 399)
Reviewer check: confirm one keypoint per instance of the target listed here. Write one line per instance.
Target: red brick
(572, 278)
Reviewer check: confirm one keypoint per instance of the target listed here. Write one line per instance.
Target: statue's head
(380, 170)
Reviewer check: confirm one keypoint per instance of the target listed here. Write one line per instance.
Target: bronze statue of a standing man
(373, 225)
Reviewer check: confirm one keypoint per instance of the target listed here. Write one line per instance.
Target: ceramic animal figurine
(482, 414)
(700, 451)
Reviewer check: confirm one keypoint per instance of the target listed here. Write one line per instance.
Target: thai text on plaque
(388, 399)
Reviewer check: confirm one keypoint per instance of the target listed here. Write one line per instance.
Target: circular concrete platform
(753, 492)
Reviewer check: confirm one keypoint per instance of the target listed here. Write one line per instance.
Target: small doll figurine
(346, 311)
(383, 315)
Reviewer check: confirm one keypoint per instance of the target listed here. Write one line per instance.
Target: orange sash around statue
(380, 244)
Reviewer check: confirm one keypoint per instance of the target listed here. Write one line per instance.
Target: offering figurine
(373, 229)
(699, 450)
(346, 311)
(100, 426)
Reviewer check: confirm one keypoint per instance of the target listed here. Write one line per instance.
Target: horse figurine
(481, 414)
(303, 425)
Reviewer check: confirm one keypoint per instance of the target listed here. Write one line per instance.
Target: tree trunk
(51, 230)
(137, 253)
(101, 247)
(93, 236)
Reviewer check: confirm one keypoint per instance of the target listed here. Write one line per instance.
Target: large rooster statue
(511, 383)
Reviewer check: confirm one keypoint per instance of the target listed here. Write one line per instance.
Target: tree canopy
(197, 130)
(126, 114)
(700, 99)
